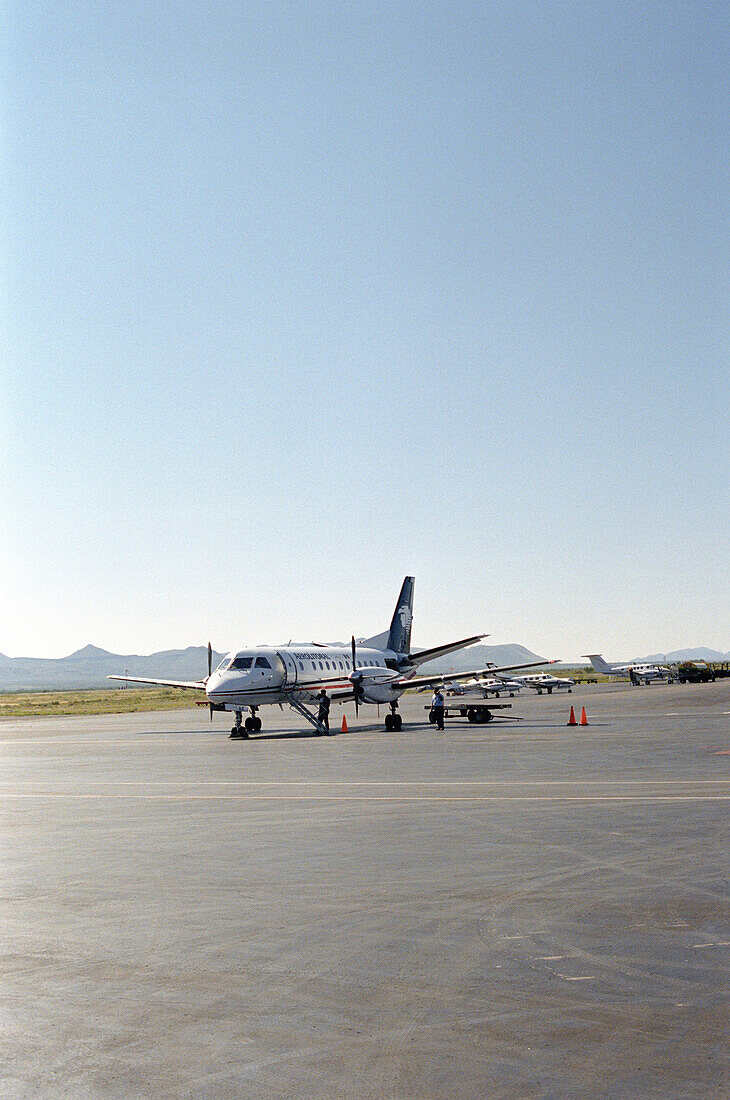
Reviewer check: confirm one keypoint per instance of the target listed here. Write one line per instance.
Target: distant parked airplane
(487, 685)
(543, 681)
(631, 670)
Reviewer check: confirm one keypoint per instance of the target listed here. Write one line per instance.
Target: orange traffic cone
(584, 718)
(344, 724)
(571, 720)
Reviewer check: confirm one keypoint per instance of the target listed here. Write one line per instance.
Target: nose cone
(213, 685)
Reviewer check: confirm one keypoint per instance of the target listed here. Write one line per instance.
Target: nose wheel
(393, 721)
(251, 725)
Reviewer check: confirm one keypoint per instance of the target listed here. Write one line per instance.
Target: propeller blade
(356, 685)
(210, 669)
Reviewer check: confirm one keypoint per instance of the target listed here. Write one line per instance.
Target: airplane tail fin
(598, 663)
(399, 638)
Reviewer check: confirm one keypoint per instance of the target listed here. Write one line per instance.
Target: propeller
(210, 669)
(356, 680)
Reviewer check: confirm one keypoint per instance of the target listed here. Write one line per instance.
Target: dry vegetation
(27, 704)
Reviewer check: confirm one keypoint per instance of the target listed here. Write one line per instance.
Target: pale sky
(301, 297)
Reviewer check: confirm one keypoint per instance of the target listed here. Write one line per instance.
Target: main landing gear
(251, 725)
(393, 721)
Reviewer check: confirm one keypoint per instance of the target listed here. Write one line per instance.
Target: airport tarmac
(503, 910)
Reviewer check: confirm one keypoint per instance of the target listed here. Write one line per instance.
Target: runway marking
(720, 943)
(583, 978)
(316, 783)
(674, 798)
(549, 958)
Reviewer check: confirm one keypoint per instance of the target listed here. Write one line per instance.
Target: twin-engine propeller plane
(374, 670)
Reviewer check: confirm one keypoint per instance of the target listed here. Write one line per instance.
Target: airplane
(631, 670)
(486, 686)
(375, 670)
(544, 681)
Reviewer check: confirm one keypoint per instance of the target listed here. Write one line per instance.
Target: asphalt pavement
(519, 909)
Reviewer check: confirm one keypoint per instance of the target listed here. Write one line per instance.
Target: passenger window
(261, 662)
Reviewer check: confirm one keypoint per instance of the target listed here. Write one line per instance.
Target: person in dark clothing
(324, 709)
(437, 706)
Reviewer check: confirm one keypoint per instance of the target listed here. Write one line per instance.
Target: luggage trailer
(474, 708)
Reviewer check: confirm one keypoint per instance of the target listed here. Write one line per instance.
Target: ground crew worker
(324, 710)
(437, 706)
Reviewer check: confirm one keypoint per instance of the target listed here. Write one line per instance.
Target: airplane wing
(442, 677)
(198, 684)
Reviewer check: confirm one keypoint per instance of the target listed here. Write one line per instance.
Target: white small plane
(375, 670)
(544, 681)
(486, 686)
(631, 670)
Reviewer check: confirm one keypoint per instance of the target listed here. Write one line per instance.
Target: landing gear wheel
(397, 722)
(249, 725)
(235, 732)
(256, 724)
(389, 721)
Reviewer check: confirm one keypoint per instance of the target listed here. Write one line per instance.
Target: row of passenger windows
(334, 665)
(242, 664)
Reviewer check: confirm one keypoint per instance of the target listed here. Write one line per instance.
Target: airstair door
(290, 668)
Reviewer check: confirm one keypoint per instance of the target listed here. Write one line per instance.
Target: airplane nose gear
(251, 725)
(238, 730)
(393, 721)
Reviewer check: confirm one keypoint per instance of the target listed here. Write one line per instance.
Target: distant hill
(701, 653)
(479, 656)
(90, 666)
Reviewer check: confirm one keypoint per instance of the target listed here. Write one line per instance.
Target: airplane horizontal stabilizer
(441, 650)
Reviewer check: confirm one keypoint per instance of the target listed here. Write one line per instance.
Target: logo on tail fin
(399, 639)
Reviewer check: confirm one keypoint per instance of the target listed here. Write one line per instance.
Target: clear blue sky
(302, 297)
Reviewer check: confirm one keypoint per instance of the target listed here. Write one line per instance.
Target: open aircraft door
(290, 668)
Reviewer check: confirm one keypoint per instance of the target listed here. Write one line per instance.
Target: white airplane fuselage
(267, 674)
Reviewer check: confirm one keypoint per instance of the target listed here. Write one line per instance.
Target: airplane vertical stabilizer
(399, 638)
(599, 664)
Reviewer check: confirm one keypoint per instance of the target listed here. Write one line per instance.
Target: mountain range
(90, 666)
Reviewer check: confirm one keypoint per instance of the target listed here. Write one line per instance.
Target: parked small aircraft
(632, 670)
(486, 686)
(375, 670)
(543, 681)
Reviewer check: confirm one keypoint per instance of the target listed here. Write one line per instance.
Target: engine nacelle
(375, 684)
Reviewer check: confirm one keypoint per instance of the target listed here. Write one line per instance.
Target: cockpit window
(261, 662)
(224, 664)
(241, 663)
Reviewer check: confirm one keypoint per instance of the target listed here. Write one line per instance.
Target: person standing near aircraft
(324, 709)
(437, 706)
